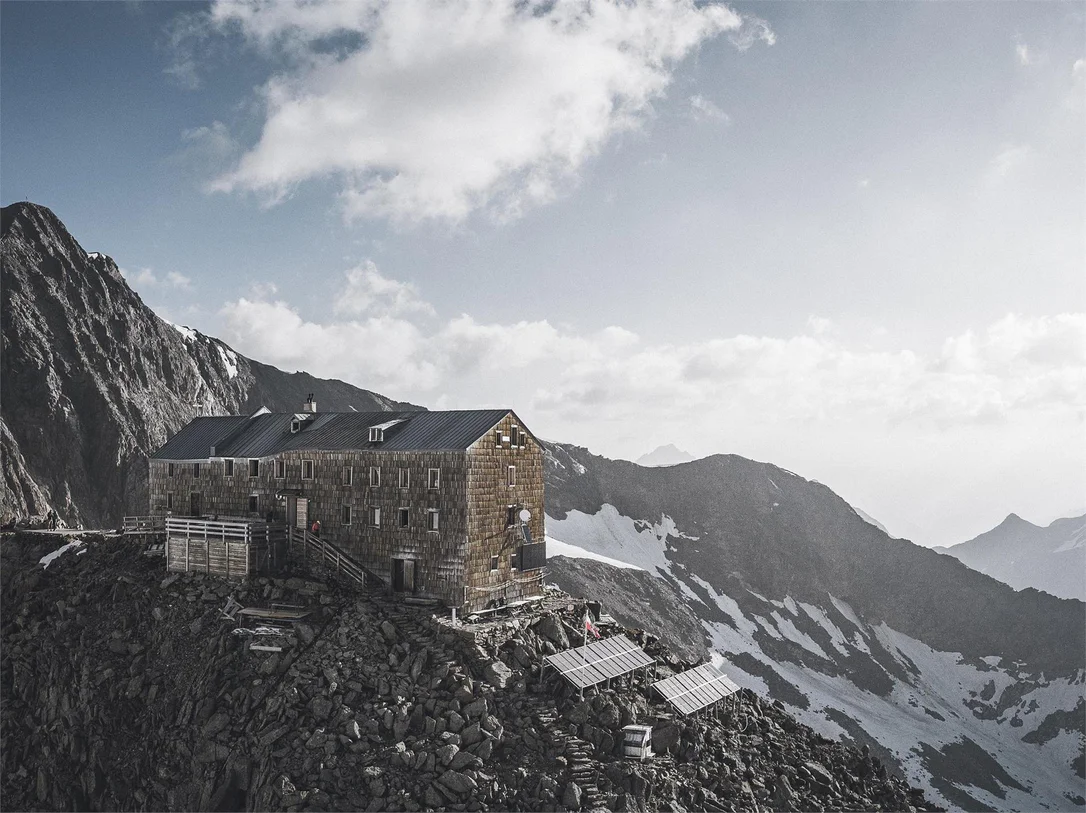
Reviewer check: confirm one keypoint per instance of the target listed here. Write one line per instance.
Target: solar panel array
(599, 661)
(696, 688)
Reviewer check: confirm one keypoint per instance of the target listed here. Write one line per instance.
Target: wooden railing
(236, 530)
(143, 525)
(306, 544)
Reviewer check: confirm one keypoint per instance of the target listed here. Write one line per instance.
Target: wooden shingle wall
(489, 496)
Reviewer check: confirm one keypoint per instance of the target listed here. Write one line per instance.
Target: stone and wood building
(444, 505)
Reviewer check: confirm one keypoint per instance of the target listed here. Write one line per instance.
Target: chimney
(310, 405)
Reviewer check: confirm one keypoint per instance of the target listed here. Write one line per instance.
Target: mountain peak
(666, 455)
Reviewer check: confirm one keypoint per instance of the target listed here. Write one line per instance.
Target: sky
(844, 238)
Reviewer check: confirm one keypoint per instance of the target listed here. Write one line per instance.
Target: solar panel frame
(599, 661)
(696, 688)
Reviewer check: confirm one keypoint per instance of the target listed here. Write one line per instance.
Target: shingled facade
(432, 502)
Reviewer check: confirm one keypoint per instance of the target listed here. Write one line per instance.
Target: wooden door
(302, 511)
(409, 575)
(194, 504)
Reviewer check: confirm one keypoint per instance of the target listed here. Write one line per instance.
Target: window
(169, 469)
(377, 434)
(348, 476)
(514, 437)
(510, 516)
(280, 469)
(254, 504)
(404, 517)
(405, 478)
(169, 500)
(493, 562)
(295, 426)
(433, 478)
(228, 468)
(346, 515)
(375, 476)
(375, 516)
(512, 561)
(498, 437)
(195, 469)
(254, 468)
(433, 519)
(307, 469)
(511, 476)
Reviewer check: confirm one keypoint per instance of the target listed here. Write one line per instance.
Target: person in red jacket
(315, 528)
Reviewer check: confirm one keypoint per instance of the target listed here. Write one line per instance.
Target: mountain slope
(972, 688)
(94, 380)
(1023, 555)
(669, 455)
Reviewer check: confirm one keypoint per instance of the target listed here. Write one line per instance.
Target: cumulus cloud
(433, 110)
(1009, 160)
(387, 339)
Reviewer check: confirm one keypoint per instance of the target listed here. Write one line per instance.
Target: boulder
(497, 674)
(571, 796)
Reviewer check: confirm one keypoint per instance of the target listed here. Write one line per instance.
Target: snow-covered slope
(973, 690)
(1022, 554)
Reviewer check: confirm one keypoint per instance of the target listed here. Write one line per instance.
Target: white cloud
(1009, 160)
(752, 30)
(1016, 366)
(1021, 50)
(146, 278)
(368, 291)
(704, 110)
(431, 109)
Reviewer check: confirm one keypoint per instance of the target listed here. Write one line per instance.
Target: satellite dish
(525, 515)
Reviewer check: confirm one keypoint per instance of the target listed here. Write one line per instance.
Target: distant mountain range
(93, 379)
(1022, 554)
(973, 689)
(668, 455)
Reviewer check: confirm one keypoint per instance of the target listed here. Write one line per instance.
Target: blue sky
(843, 237)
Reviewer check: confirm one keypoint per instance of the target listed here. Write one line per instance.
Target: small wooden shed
(233, 548)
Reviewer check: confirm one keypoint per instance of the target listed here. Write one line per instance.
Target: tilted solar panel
(696, 688)
(599, 661)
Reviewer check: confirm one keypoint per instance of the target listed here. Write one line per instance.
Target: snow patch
(229, 361)
(187, 333)
(49, 558)
(637, 543)
(579, 468)
(556, 547)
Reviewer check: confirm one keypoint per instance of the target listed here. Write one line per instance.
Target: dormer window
(377, 434)
(295, 425)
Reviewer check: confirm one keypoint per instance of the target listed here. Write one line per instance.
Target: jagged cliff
(93, 380)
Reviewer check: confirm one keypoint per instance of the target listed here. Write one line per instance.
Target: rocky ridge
(94, 380)
(125, 688)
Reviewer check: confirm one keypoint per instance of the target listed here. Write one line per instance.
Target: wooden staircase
(313, 552)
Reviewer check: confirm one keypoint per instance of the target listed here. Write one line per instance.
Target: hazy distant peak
(667, 455)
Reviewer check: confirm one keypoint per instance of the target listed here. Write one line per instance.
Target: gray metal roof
(269, 434)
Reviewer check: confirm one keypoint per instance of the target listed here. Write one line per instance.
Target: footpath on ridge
(125, 688)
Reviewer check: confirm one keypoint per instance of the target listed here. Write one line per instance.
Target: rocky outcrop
(126, 688)
(94, 380)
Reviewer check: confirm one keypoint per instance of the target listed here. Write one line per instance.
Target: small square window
(346, 515)
(433, 478)
(405, 478)
(433, 519)
(228, 468)
(375, 476)
(348, 475)
(195, 469)
(169, 500)
(404, 515)
(169, 469)
(510, 516)
(375, 516)
(377, 434)
(254, 504)
(493, 562)
(280, 469)
(307, 469)
(498, 437)
(512, 561)
(254, 468)
(511, 476)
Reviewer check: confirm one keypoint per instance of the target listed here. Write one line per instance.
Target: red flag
(589, 627)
